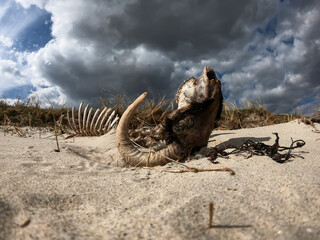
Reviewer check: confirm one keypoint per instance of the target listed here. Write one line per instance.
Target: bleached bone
(105, 129)
(98, 120)
(69, 121)
(79, 117)
(85, 119)
(95, 126)
(94, 120)
(113, 123)
(104, 119)
(74, 121)
(88, 121)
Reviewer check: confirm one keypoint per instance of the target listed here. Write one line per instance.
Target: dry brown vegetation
(151, 113)
(253, 115)
(29, 113)
(232, 117)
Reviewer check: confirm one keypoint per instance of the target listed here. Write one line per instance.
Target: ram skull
(186, 129)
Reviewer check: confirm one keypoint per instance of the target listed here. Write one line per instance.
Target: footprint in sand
(87, 162)
(84, 165)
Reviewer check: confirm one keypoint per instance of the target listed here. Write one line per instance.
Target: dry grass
(150, 114)
(316, 115)
(253, 115)
(30, 114)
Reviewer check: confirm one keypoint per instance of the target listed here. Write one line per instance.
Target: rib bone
(87, 126)
(85, 119)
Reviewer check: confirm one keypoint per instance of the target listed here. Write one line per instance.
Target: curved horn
(132, 154)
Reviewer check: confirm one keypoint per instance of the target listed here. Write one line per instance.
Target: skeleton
(184, 130)
(102, 121)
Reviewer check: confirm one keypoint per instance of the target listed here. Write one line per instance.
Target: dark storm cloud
(188, 29)
(123, 73)
(172, 31)
(280, 69)
(263, 50)
(79, 82)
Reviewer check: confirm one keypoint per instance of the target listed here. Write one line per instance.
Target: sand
(85, 191)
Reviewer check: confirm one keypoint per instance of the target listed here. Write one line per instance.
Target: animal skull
(186, 129)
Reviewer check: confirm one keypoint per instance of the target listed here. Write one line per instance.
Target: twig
(18, 131)
(56, 136)
(192, 170)
(211, 209)
(29, 118)
(4, 125)
(70, 136)
(25, 223)
(55, 126)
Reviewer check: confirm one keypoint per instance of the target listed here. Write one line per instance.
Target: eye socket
(211, 75)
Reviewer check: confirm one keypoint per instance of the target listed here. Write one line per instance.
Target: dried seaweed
(259, 149)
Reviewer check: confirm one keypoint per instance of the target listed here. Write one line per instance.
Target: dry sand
(85, 192)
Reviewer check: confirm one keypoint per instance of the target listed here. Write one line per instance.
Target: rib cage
(102, 121)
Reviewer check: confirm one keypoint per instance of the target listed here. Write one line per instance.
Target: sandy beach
(86, 192)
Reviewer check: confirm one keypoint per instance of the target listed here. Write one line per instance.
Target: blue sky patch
(308, 100)
(29, 29)
(289, 41)
(37, 35)
(21, 92)
(270, 27)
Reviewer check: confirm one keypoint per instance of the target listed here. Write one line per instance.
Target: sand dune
(85, 191)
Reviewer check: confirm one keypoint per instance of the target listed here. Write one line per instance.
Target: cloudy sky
(73, 50)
